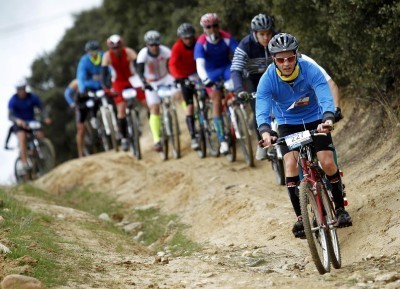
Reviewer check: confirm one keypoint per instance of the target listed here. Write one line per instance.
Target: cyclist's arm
(173, 62)
(201, 68)
(240, 58)
(335, 92)
(69, 93)
(264, 103)
(105, 71)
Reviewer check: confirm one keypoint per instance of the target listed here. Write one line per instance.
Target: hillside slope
(244, 219)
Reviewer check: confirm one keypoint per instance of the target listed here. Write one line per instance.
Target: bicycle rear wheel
(135, 135)
(314, 228)
(330, 218)
(19, 171)
(243, 137)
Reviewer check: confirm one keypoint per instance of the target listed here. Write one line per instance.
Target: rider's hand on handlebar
(208, 82)
(242, 97)
(325, 127)
(21, 123)
(147, 86)
(47, 121)
(267, 140)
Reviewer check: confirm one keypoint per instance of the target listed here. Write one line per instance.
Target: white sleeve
(141, 58)
(201, 68)
(309, 59)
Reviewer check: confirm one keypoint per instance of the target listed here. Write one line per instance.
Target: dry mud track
(243, 219)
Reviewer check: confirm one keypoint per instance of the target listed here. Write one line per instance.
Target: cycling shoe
(343, 217)
(298, 229)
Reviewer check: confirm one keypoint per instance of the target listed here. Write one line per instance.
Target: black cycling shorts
(187, 91)
(321, 143)
(81, 111)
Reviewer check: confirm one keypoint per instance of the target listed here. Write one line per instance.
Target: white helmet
(22, 83)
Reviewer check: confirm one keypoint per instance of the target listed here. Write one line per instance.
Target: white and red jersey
(155, 67)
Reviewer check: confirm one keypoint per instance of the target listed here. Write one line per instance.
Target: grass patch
(30, 235)
(165, 231)
(94, 203)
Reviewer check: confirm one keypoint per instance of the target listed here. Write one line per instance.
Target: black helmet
(152, 37)
(282, 42)
(185, 30)
(262, 22)
(92, 45)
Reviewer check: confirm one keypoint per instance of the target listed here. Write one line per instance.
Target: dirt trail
(244, 218)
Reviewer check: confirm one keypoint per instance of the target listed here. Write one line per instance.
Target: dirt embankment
(244, 218)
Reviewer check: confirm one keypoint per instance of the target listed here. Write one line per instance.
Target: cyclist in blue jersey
(298, 95)
(88, 76)
(21, 110)
(213, 52)
(250, 61)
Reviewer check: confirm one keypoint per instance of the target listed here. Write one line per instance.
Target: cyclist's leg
(22, 141)
(153, 102)
(216, 98)
(325, 154)
(188, 98)
(292, 178)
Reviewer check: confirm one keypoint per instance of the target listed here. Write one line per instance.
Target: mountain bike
(40, 155)
(169, 123)
(205, 131)
(236, 125)
(316, 202)
(96, 138)
(133, 121)
(109, 119)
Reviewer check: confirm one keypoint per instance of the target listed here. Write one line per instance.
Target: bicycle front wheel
(174, 133)
(210, 132)
(243, 137)
(279, 170)
(330, 218)
(135, 134)
(314, 228)
(46, 159)
(112, 136)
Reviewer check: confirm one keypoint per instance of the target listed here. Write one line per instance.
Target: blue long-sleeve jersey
(88, 74)
(306, 100)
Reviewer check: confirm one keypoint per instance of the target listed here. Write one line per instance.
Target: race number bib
(298, 139)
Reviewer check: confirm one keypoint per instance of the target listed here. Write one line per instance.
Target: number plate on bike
(298, 139)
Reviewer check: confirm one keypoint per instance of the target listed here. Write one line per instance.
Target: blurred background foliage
(356, 41)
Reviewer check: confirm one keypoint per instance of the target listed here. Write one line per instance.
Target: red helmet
(209, 19)
(115, 41)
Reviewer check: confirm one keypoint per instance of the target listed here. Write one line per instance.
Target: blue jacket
(252, 57)
(307, 100)
(24, 108)
(88, 74)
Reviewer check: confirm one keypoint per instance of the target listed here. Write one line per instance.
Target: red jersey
(181, 63)
(122, 71)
